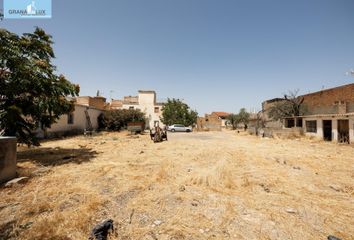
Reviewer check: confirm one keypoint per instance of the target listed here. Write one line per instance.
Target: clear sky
(217, 55)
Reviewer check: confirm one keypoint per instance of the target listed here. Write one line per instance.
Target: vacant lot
(220, 185)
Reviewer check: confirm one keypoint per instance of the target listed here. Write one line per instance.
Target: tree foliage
(177, 112)
(234, 120)
(32, 95)
(118, 119)
(289, 106)
(242, 117)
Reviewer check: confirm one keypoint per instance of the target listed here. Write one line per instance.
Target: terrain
(211, 185)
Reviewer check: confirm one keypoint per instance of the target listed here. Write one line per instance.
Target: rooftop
(221, 114)
(147, 91)
(329, 89)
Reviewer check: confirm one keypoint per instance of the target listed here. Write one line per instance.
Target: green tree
(118, 119)
(291, 105)
(32, 95)
(234, 120)
(242, 117)
(177, 112)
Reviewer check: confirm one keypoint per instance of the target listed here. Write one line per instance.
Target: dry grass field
(220, 185)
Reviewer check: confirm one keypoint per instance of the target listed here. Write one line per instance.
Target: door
(343, 131)
(327, 130)
(180, 128)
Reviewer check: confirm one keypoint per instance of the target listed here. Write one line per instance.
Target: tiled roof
(221, 114)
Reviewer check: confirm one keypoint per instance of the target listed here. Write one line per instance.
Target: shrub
(117, 119)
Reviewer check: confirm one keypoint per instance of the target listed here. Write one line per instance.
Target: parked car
(179, 128)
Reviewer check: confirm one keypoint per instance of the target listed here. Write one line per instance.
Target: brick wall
(96, 102)
(83, 100)
(330, 101)
(209, 123)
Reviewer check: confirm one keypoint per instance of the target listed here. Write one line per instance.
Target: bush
(117, 119)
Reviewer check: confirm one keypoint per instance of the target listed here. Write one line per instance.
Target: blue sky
(216, 55)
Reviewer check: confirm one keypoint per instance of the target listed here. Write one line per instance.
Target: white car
(179, 128)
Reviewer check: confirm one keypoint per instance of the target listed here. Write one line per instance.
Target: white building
(330, 127)
(145, 102)
(77, 121)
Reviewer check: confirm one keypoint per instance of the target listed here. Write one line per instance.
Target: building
(145, 102)
(269, 122)
(212, 122)
(85, 116)
(329, 114)
(222, 116)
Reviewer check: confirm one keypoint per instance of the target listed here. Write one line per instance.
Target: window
(156, 123)
(71, 118)
(311, 126)
(289, 123)
(131, 108)
(157, 109)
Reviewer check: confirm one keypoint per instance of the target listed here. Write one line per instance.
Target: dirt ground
(213, 185)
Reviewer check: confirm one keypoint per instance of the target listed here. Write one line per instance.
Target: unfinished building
(329, 114)
(212, 122)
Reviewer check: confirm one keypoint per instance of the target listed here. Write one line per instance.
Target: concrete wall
(224, 122)
(319, 121)
(7, 158)
(351, 130)
(285, 132)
